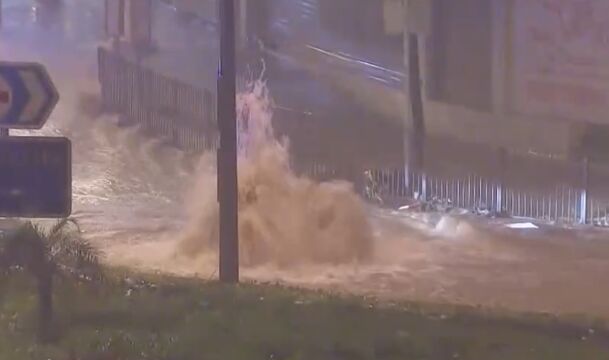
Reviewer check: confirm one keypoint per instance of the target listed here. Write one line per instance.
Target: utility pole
(418, 24)
(417, 131)
(227, 153)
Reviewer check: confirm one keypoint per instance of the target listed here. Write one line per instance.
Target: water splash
(284, 219)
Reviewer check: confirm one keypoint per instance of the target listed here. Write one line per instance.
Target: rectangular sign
(561, 59)
(418, 16)
(138, 21)
(115, 18)
(35, 177)
(393, 17)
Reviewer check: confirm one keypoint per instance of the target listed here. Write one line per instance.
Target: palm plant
(45, 253)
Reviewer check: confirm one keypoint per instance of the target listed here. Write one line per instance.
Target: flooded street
(130, 193)
(121, 184)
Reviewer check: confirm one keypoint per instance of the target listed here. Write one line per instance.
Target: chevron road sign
(27, 95)
(35, 172)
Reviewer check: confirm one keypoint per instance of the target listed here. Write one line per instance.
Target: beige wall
(206, 9)
(500, 126)
(561, 59)
(518, 133)
(138, 26)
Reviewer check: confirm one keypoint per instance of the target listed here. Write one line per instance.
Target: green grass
(184, 319)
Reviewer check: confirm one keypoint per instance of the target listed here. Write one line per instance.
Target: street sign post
(27, 95)
(35, 177)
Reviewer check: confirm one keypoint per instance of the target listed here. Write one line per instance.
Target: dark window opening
(461, 53)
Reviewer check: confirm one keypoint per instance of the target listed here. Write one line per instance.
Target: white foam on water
(284, 219)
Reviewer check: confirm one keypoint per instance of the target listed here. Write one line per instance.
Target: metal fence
(183, 114)
(186, 117)
(559, 202)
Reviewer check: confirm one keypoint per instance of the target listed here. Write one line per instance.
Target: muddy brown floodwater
(408, 256)
(461, 262)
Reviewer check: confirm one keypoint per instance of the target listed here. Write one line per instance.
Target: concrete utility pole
(114, 23)
(227, 153)
(418, 21)
(4, 95)
(138, 24)
(417, 131)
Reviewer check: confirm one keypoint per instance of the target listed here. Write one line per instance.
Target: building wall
(205, 9)
(460, 53)
(468, 81)
(561, 62)
(530, 76)
(477, 94)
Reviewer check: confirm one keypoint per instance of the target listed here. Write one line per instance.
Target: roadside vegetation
(122, 315)
(45, 254)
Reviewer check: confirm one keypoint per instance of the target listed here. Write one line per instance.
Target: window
(460, 53)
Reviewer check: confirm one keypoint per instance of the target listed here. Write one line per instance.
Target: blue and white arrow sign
(27, 95)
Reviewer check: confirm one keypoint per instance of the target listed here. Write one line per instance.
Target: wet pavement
(117, 189)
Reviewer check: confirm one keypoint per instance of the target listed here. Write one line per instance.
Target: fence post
(354, 175)
(499, 206)
(583, 196)
(423, 195)
(175, 96)
(101, 63)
